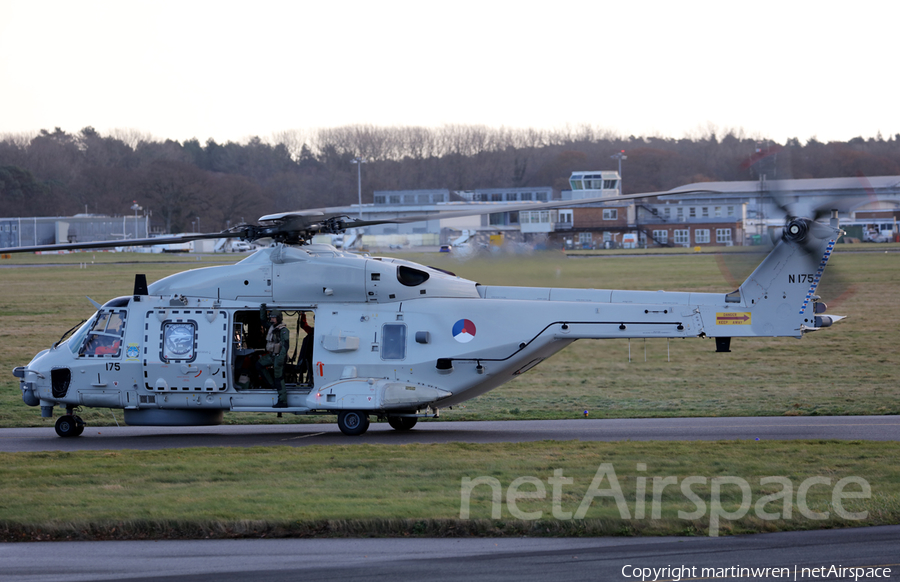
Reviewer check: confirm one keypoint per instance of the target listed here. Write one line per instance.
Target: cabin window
(179, 341)
(411, 277)
(393, 345)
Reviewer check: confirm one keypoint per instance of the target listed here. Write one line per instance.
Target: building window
(541, 196)
(682, 237)
(723, 235)
(584, 238)
(718, 212)
(610, 214)
(680, 213)
(692, 212)
(661, 236)
(513, 217)
(704, 211)
(731, 211)
(497, 219)
(438, 198)
(380, 199)
(526, 196)
(395, 199)
(497, 197)
(511, 197)
(565, 216)
(701, 236)
(667, 213)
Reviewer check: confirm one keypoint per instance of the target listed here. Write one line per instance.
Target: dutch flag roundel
(464, 331)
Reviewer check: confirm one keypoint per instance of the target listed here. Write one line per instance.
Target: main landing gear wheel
(352, 422)
(402, 422)
(69, 426)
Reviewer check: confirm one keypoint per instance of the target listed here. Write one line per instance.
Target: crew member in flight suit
(277, 344)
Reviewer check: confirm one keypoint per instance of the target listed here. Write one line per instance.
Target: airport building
(439, 231)
(49, 230)
(700, 214)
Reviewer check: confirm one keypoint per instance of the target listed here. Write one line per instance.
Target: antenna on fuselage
(140, 285)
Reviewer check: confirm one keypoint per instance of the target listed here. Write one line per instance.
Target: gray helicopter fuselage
(391, 337)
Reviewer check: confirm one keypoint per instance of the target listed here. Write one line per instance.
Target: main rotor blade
(458, 210)
(136, 242)
(299, 226)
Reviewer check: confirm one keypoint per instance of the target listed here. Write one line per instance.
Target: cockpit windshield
(104, 334)
(77, 339)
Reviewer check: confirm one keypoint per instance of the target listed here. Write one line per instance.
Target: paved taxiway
(876, 428)
(436, 560)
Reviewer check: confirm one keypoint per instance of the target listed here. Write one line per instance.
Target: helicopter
(392, 339)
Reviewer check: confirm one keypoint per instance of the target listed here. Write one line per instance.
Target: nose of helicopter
(28, 393)
(35, 378)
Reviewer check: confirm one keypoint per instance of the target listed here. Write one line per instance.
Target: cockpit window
(77, 340)
(105, 336)
(411, 277)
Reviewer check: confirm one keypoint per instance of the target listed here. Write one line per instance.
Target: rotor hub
(796, 230)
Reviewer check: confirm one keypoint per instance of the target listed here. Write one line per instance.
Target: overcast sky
(230, 70)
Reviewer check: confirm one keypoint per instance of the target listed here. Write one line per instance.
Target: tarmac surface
(875, 550)
(875, 428)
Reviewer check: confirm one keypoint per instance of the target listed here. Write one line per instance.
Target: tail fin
(781, 292)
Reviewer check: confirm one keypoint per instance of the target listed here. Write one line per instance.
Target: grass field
(416, 489)
(407, 490)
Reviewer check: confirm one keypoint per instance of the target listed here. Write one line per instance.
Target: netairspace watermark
(677, 573)
(605, 484)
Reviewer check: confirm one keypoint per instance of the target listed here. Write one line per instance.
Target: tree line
(59, 173)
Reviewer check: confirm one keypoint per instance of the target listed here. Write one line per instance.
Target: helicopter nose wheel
(69, 426)
(353, 422)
